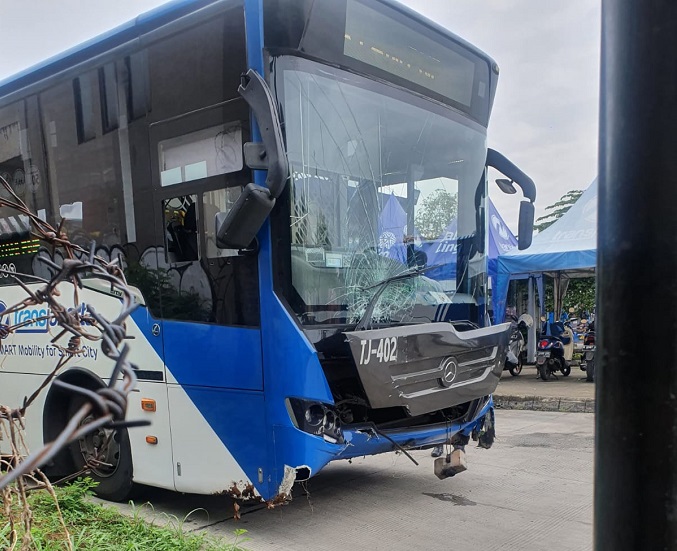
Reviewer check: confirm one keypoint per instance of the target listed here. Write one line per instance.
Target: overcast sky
(545, 114)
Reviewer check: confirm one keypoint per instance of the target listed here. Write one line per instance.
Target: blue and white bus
(271, 174)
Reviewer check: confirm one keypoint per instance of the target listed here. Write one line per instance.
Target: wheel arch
(55, 413)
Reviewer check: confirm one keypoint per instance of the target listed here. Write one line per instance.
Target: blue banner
(392, 225)
(443, 251)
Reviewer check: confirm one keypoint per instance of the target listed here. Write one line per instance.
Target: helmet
(526, 319)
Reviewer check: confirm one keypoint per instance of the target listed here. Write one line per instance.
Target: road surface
(531, 491)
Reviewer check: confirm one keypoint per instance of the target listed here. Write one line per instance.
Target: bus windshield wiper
(365, 320)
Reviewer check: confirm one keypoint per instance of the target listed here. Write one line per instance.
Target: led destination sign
(382, 42)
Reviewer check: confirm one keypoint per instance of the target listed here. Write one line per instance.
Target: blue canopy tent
(566, 249)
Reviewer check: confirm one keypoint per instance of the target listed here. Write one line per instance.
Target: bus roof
(151, 20)
(119, 35)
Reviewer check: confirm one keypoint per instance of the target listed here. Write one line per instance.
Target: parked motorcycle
(517, 347)
(588, 354)
(555, 351)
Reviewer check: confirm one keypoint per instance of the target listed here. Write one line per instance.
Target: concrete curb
(542, 403)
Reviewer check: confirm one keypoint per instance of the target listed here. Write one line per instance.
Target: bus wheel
(110, 469)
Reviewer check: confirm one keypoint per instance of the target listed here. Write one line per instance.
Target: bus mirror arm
(527, 210)
(508, 168)
(269, 155)
(237, 228)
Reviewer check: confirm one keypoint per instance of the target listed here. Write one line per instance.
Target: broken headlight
(315, 418)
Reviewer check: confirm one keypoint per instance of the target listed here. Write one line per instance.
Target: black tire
(113, 484)
(590, 371)
(566, 370)
(544, 371)
(516, 370)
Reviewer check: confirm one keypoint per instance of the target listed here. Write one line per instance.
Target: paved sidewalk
(527, 391)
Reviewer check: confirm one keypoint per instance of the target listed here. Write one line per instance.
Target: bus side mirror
(516, 176)
(237, 228)
(506, 186)
(526, 225)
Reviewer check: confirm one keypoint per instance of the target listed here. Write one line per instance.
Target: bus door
(209, 299)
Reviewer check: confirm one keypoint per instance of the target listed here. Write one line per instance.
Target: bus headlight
(314, 415)
(315, 418)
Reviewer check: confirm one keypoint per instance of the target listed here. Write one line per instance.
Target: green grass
(98, 528)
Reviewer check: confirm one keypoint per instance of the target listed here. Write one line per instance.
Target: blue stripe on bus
(145, 321)
(202, 355)
(210, 355)
(237, 415)
(213, 355)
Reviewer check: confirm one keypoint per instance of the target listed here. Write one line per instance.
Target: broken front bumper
(430, 366)
(309, 453)
(364, 440)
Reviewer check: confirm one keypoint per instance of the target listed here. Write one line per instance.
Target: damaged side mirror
(237, 228)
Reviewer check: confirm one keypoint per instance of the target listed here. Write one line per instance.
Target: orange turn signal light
(151, 440)
(148, 404)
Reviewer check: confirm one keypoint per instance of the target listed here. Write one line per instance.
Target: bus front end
(378, 243)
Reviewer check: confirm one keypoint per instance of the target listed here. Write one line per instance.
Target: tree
(580, 295)
(437, 210)
(557, 209)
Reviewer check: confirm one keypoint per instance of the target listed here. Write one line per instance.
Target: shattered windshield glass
(383, 183)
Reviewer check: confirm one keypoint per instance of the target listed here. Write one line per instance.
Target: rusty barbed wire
(102, 408)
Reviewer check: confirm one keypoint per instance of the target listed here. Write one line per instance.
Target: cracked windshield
(386, 197)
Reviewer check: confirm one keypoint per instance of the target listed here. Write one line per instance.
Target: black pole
(636, 446)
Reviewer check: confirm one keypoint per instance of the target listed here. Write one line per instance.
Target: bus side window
(213, 202)
(84, 107)
(196, 126)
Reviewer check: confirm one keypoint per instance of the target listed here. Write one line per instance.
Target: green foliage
(94, 527)
(580, 295)
(158, 291)
(557, 209)
(437, 210)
